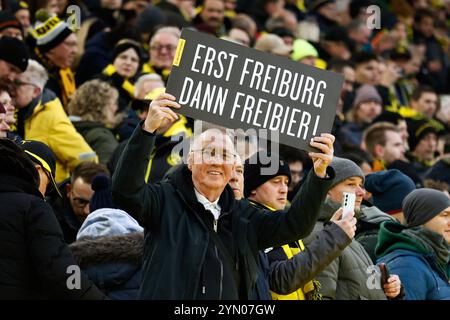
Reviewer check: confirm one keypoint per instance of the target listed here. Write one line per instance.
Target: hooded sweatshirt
(419, 256)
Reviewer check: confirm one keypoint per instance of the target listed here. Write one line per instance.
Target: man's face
(213, 13)
(12, 32)
(402, 128)
(272, 193)
(440, 224)
(7, 118)
(24, 18)
(426, 148)
(338, 50)
(8, 71)
(329, 10)
(237, 179)
(367, 73)
(240, 36)
(162, 50)
(64, 54)
(425, 26)
(25, 91)
(369, 110)
(354, 185)
(147, 86)
(296, 173)
(79, 194)
(427, 104)
(212, 162)
(127, 63)
(394, 148)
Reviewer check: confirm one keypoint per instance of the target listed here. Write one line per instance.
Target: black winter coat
(34, 258)
(177, 234)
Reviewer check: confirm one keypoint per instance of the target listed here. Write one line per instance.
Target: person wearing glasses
(201, 243)
(163, 46)
(72, 207)
(41, 117)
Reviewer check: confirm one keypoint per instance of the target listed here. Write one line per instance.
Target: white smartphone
(348, 203)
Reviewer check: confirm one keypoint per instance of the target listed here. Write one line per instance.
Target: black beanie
(124, 45)
(417, 130)
(422, 205)
(102, 197)
(14, 51)
(256, 173)
(9, 20)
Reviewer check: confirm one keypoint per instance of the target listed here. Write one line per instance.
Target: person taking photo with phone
(347, 277)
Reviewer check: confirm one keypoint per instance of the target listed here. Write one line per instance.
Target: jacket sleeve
(56, 269)
(129, 189)
(414, 275)
(103, 142)
(288, 276)
(68, 145)
(277, 228)
(328, 279)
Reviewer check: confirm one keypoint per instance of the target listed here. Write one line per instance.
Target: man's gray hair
(146, 77)
(36, 74)
(172, 30)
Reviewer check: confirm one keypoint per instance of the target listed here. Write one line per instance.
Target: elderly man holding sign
(200, 242)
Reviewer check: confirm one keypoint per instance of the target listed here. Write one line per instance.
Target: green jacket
(177, 237)
(99, 138)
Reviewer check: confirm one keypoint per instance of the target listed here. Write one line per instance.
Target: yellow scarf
(68, 85)
(126, 85)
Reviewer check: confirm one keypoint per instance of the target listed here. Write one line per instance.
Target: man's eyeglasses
(18, 83)
(158, 47)
(209, 154)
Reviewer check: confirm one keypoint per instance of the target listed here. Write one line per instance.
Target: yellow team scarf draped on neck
(126, 85)
(68, 86)
(310, 290)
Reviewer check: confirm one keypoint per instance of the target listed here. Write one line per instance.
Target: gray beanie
(422, 205)
(344, 169)
(366, 93)
(108, 222)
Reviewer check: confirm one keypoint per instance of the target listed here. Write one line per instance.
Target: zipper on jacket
(203, 281)
(216, 221)
(221, 274)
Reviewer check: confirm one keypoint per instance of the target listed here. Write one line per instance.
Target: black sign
(241, 88)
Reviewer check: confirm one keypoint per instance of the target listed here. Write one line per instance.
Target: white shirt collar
(214, 207)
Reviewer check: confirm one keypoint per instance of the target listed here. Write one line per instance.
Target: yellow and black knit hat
(50, 33)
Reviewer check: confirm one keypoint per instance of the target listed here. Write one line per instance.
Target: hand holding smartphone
(348, 203)
(384, 274)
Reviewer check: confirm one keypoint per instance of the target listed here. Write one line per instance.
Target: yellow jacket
(49, 124)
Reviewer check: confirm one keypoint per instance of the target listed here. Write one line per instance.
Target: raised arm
(280, 227)
(287, 276)
(129, 189)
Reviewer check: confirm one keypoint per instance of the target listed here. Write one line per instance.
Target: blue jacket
(419, 274)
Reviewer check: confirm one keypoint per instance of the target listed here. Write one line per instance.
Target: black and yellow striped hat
(41, 154)
(50, 33)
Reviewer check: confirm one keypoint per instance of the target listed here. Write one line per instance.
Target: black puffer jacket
(34, 258)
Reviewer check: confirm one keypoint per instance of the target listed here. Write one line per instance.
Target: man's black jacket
(177, 238)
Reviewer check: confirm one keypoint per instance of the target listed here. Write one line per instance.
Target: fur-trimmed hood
(127, 248)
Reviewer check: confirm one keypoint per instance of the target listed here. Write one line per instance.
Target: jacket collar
(13, 183)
